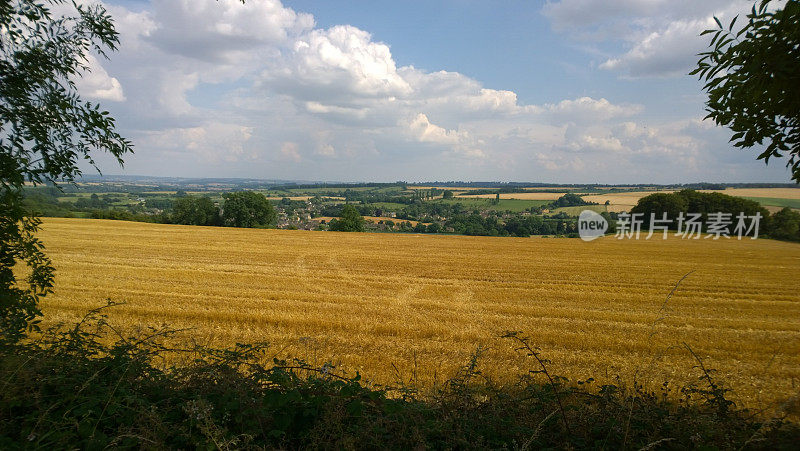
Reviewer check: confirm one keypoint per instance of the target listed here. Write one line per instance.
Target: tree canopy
(46, 128)
(690, 201)
(752, 77)
(195, 210)
(785, 225)
(247, 209)
(349, 221)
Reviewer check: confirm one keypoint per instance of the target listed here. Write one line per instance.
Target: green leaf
(733, 22)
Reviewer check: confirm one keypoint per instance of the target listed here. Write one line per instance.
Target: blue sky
(568, 91)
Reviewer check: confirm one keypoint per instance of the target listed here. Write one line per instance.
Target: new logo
(591, 225)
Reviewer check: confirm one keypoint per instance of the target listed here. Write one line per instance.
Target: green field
(515, 205)
(777, 202)
(575, 211)
(277, 193)
(387, 205)
(325, 189)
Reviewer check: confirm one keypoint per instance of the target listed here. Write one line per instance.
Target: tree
(612, 224)
(785, 225)
(568, 200)
(447, 194)
(193, 210)
(350, 220)
(45, 129)
(247, 209)
(659, 203)
(434, 228)
(752, 77)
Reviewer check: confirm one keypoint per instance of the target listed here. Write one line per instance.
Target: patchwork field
(768, 197)
(423, 303)
(619, 201)
(772, 198)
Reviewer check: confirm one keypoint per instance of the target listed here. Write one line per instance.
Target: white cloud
(459, 142)
(224, 31)
(576, 15)
(589, 109)
(97, 84)
(212, 142)
(668, 52)
(257, 90)
(336, 65)
(422, 130)
(290, 151)
(609, 18)
(659, 38)
(325, 149)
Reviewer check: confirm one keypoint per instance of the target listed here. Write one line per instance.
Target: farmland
(622, 199)
(532, 195)
(425, 302)
(775, 197)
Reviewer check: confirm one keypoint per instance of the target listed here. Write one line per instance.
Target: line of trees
(239, 209)
(521, 226)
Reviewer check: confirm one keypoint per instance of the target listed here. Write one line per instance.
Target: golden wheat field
(424, 303)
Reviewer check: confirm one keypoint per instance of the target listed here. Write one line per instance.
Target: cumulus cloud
(256, 89)
(421, 129)
(223, 31)
(97, 84)
(337, 64)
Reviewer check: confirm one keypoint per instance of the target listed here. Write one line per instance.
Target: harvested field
(367, 301)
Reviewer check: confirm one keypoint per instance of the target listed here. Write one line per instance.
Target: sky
(556, 91)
